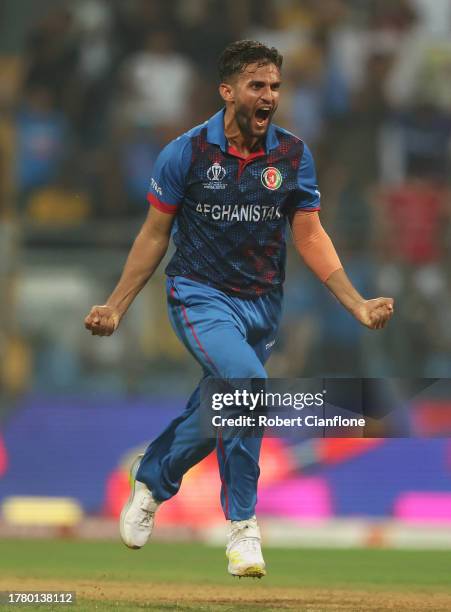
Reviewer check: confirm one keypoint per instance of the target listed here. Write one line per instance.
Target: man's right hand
(102, 320)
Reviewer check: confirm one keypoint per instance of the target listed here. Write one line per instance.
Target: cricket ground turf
(182, 577)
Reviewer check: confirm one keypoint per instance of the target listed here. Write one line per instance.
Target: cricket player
(226, 190)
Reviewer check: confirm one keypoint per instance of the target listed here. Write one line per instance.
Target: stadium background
(89, 92)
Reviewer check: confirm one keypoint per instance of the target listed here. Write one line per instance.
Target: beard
(244, 121)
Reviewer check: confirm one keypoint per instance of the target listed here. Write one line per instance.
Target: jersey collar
(215, 133)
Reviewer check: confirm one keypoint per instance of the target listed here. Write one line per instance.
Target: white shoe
(138, 514)
(244, 551)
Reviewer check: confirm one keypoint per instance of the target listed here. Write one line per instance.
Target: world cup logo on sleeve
(271, 178)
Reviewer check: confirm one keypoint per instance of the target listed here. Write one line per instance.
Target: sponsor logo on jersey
(155, 186)
(271, 178)
(215, 174)
(239, 212)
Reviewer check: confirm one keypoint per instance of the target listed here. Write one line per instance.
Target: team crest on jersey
(271, 178)
(215, 174)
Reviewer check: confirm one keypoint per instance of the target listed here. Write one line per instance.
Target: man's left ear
(226, 92)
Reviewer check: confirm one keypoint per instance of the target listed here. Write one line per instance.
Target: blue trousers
(230, 337)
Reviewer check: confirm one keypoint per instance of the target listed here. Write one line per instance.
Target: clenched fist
(102, 320)
(374, 313)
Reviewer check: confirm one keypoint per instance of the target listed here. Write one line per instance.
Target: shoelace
(145, 521)
(148, 514)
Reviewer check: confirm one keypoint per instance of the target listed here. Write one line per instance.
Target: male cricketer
(226, 190)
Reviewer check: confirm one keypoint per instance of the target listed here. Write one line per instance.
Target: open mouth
(262, 115)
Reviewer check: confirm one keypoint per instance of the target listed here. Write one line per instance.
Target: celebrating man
(231, 184)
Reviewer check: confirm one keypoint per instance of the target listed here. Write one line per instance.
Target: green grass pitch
(172, 576)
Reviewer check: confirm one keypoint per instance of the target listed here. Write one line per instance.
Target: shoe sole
(132, 478)
(254, 571)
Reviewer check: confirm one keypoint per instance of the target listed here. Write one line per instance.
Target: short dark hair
(241, 53)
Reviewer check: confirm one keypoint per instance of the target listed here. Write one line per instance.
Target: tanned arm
(316, 248)
(147, 251)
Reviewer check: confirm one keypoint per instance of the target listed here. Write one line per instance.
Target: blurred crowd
(101, 85)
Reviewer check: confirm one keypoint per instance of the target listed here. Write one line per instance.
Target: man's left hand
(374, 314)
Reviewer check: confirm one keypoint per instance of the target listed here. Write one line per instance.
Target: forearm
(144, 257)
(314, 245)
(316, 248)
(318, 252)
(339, 284)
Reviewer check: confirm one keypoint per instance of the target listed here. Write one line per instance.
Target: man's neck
(245, 145)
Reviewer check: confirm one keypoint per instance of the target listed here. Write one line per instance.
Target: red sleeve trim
(170, 209)
(308, 209)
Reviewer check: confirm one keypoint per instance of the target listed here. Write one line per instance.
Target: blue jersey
(231, 212)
